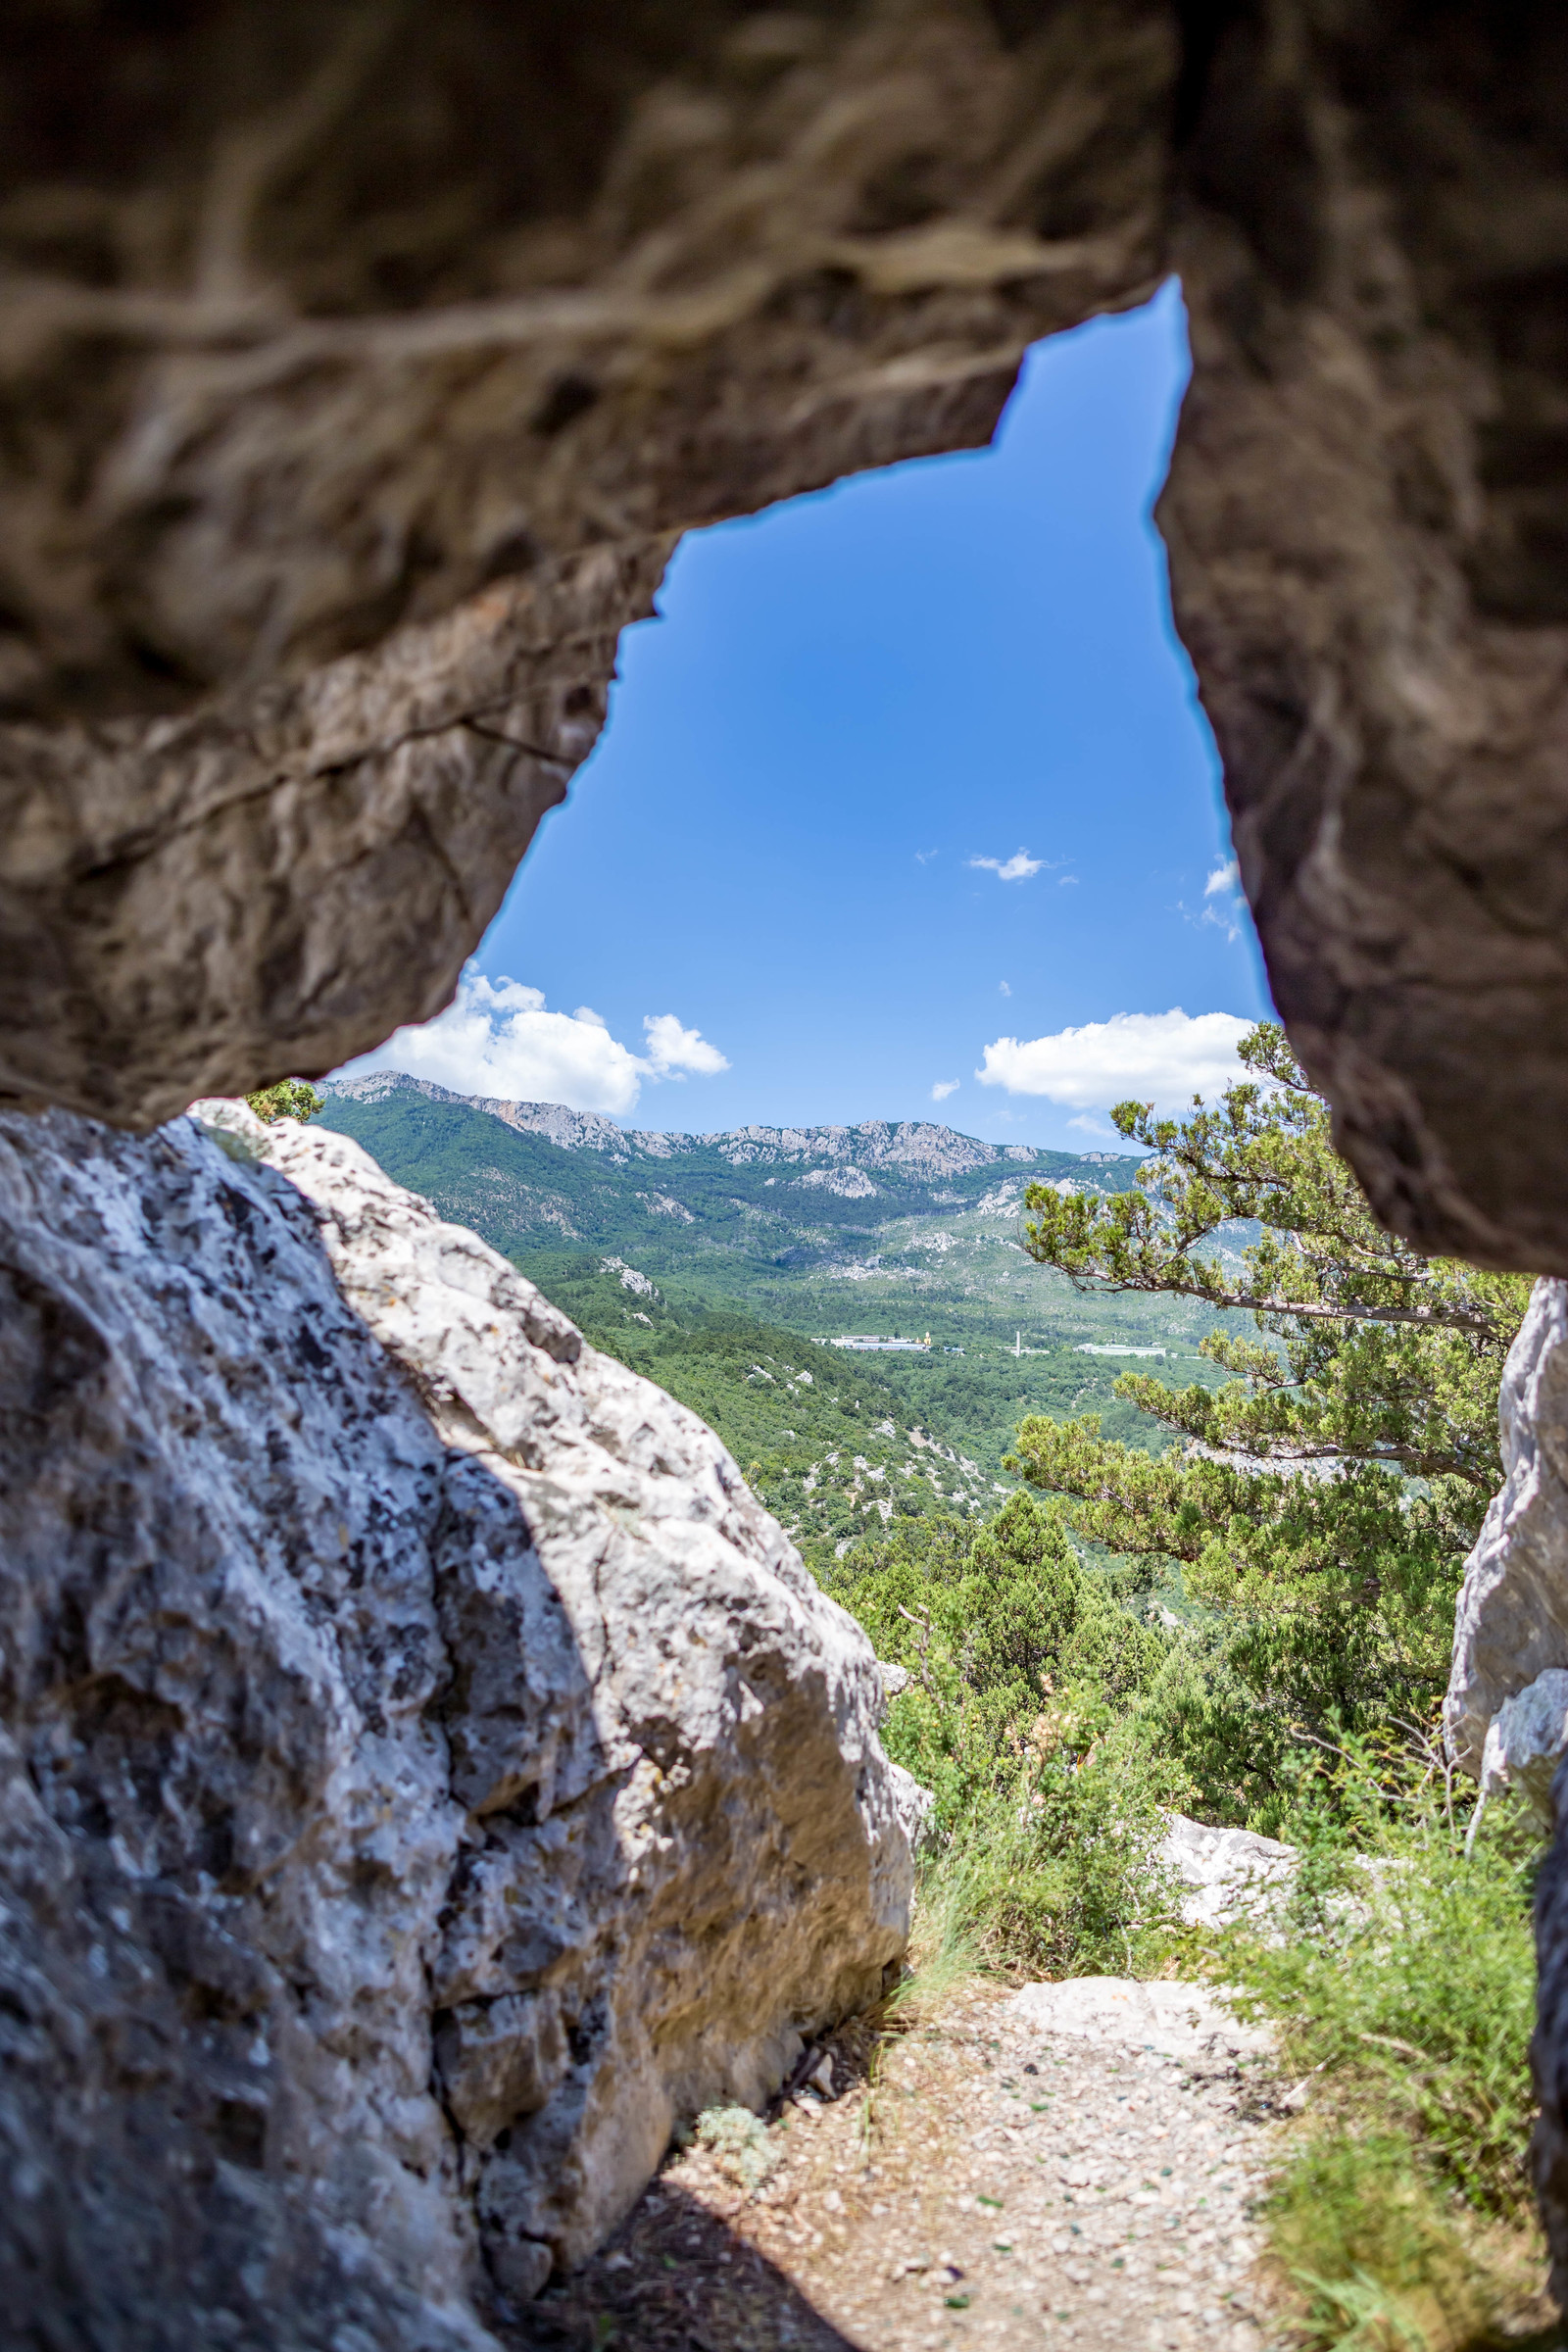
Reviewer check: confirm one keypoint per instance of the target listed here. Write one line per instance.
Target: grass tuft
(946, 1952)
(1398, 1971)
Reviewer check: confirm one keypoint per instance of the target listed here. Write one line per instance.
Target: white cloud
(1006, 989)
(945, 1087)
(1016, 868)
(1158, 1057)
(673, 1050)
(1223, 907)
(924, 857)
(499, 1038)
(1086, 1120)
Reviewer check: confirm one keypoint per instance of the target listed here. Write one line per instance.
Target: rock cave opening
(360, 369)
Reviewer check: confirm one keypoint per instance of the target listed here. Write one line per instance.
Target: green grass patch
(1399, 1976)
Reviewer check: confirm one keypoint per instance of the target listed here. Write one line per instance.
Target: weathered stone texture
(250, 886)
(318, 318)
(1368, 522)
(360, 308)
(1506, 1712)
(1512, 1620)
(427, 1771)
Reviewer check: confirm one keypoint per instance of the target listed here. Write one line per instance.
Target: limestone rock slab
(1184, 2021)
(429, 1770)
(1511, 1625)
(1226, 1874)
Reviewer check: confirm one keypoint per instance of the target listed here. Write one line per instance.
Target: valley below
(726, 1267)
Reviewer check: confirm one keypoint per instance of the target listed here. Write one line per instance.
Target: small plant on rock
(740, 2146)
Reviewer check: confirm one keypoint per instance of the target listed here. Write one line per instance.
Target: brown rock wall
(320, 322)
(1362, 512)
(357, 377)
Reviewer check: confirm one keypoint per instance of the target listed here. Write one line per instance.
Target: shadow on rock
(676, 2278)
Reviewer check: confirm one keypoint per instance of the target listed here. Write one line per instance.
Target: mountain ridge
(922, 1146)
(720, 1265)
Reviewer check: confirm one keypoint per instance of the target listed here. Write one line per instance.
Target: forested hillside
(824, 1441)
(718, 1265)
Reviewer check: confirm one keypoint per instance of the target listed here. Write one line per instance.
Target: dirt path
(989, 2182)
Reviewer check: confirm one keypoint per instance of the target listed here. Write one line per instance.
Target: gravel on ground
(986, 2181)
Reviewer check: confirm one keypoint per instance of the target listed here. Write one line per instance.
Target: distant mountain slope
(714, 1262)
(919, 1148)
(535, 1174)
(824, 1440)
(883, 1227)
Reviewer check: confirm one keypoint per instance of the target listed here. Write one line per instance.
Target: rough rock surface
(1525, 1739)
(186, 900)
(321, 319)
(1367, 517)
(343, 324)
(1511, 1625)
(1227, 1873)
(1506, 1712)
(427, 1771)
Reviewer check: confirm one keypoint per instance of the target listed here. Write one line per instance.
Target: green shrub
(1019, 1719)
(1374, 2252)
(1400, 1976)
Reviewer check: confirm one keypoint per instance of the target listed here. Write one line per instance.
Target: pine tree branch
(1455, 1318)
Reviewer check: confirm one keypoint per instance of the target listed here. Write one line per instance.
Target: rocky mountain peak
(919, 1148)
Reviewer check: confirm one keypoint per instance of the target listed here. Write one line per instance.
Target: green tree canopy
(289, 1099)
(1322, 1499)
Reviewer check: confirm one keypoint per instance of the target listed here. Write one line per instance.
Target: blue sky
(769, 860)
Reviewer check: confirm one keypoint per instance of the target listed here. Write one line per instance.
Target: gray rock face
(1511, 1625)
(427, 1771)
(1226, 1874)
(1507, 1711)
(1525, 1739)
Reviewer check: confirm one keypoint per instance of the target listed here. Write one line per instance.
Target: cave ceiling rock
(1367, 517)
(322, 322)
(348, 413)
